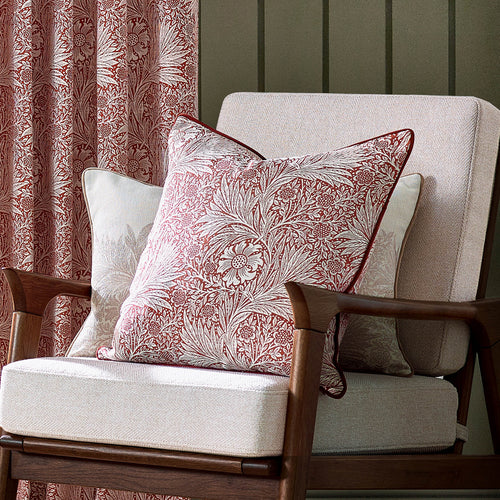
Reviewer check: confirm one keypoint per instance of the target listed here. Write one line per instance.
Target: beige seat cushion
(213, 411)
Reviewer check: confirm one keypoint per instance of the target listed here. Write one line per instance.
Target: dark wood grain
(301, 412)
(31, 292)
(140, 478)
(144, 456)
(8, 486)
(24, 336)
(402, 472)
(314, 308)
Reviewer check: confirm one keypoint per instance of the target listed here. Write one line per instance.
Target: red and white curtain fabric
(83, 83)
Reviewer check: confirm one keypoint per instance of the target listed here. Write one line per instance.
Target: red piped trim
(208, 127)
(382, 213)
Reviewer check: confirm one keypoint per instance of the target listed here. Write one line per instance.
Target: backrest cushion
(455, 151)
(231, 230)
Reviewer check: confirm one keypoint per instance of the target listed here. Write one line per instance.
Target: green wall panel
(478, 49)
(293, 45)
(228, 52)
(357, 46)
(420, 46)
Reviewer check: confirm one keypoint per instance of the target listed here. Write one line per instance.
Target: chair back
(456, 145)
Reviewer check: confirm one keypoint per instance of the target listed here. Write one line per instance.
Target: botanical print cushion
(371, 343)
(121, 212)
(230, 231)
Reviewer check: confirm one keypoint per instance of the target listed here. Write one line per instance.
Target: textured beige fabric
(456, 140)
(382, 413)
(85, 399)
(121, 211)
(216, 411)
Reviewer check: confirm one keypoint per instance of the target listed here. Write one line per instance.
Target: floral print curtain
(83, 83)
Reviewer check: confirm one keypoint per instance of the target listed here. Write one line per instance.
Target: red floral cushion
(231, 230)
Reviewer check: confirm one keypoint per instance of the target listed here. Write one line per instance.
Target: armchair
(388, 432)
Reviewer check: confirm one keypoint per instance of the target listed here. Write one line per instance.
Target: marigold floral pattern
(255, 225)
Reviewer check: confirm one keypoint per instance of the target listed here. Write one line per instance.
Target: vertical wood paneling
(389, 82)
(357, 46)
(326, 46)
(261, 45)
(228, 52)
(420, 47)
(293, 38)
(478, 49)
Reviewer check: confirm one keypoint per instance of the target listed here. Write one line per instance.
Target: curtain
(83, 83)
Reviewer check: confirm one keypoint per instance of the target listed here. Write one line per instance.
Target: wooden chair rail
(267, 466)
(314, 307)
(31, 292)
(140, 478)
(418, 472)
(210, 477)
(394, 472)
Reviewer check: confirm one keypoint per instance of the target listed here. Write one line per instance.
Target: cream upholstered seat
(245, 415)
(219, 412)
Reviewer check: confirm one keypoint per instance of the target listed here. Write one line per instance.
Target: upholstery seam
(59, 375)
(465, 218)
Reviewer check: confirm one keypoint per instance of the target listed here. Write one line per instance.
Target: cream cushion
(121, 211)
(370, 343)
(215, 411)
(456, 141)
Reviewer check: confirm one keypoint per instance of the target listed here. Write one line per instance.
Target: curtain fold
(83, 83)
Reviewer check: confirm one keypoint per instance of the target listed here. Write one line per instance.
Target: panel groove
(261, 46)
(326, 46)
(388, 47)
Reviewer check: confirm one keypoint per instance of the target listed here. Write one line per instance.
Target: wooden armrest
(314, 307)
(31, 292)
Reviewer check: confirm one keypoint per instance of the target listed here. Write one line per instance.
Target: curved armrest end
(31, 292)
(313, 307)
(485, 325)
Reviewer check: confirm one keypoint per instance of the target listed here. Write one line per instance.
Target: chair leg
(487, 336)
(489, 361)
(8, 486)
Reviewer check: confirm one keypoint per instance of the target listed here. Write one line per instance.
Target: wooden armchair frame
(285, 477)
(290, 475)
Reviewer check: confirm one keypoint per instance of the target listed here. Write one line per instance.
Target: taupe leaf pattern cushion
(371, 343)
